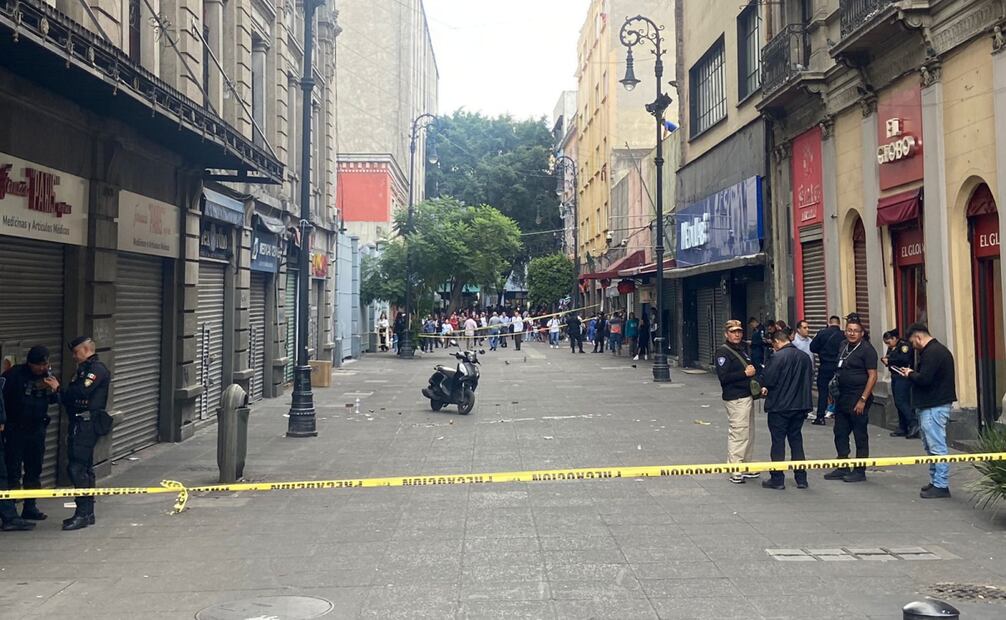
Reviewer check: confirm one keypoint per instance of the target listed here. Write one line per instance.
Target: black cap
(38, 355)
(76, 342)
(853, 316)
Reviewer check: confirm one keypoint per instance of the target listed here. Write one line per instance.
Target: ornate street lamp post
(422, 122)
(564, 165)
(301, 422)
(635, 31)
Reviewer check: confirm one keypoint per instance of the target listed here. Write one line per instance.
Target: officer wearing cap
(9, 519)
(85, 400)
(28, 391)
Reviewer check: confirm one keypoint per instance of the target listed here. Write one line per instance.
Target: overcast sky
(505, 56)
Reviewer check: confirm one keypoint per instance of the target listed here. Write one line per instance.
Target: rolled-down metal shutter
(815, 300)
(290, 312)
(859, 257)
(137, 380)
(706, 312)
(256, 334)
(31, 313)
(210, 337)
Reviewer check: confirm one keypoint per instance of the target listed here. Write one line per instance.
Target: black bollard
(929, 608)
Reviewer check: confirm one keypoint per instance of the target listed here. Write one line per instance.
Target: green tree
(503, 163)
(549, 279)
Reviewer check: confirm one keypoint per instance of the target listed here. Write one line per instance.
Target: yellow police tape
(538, 475)
(461, 332)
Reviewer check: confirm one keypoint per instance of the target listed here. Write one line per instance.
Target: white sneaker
(635, 359)
(736, 478)
(829, 414)
(811, 416)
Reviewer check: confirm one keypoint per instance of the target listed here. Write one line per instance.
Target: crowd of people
(777, 365)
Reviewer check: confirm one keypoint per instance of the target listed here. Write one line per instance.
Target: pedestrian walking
(400, 328)
(615, 331)
(29, 389)
(786, 385)
(632, 334)
(855, 376)
(446, 331)
(494, 331)
(933, 391)
(85, 400)
(574, 333)
(600, 333)
(553, 332)
(736, 371)
(517, 325)
(471, 325)
(826, 345)
(506, 328)
(901, 355)
(383, 325)
(643, 344)
(10, 521)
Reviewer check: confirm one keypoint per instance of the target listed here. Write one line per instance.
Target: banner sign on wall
(808, 195)
(899, 136)
(265, 251)
(148, 226)
(40, 203)
(721, 226)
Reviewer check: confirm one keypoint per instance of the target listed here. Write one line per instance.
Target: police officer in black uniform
(901, 355)
(9, 519)
(28, 391)
(85, 400)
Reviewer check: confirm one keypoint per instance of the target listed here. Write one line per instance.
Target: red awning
(899, 208)
(632, 260)
(648, 269)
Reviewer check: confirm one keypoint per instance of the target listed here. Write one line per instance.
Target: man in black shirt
(735, 371)
(856, 371)
(573, 331)
(933, 391)
(786, 383)
(900, 355)
(9, 519)
(757, 341)
(826, 344)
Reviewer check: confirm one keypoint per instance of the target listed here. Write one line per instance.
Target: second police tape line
(535, 475)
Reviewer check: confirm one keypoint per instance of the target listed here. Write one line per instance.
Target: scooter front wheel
(467, 401)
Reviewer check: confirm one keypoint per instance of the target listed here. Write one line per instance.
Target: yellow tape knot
(183, 494)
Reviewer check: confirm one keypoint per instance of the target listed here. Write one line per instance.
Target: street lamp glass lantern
(559, 184)
(432, 156)
(629, 81)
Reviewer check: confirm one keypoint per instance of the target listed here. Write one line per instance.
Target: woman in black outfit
(856, 376)
(600, 332)
(643, 344)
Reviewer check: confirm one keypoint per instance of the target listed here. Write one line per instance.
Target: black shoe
(898, 434)
(819, 422)
(17, 524)
(926, 488)
(837, 474)
(802, 484)
(855, 475)
(934, 493)
(768, 484)
(33, 513)
(78, 522)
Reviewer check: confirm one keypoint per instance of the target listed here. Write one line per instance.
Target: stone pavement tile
(600, 555)
(483, 572)
(484, 545)
(589, 572)
(18, 597)
(676, 570)
(411, 601)
(531, 590)
(506, 609)
(801, 606)
(705, 608)
(492, 499)
(613, 609)
(628, 588)
(689, 588)
(639, 551)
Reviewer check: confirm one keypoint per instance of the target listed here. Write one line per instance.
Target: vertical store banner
(808, 193)
(41, 203)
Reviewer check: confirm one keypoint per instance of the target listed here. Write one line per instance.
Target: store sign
(899, 136)
(41, 203)
(985, 235)
(265, 251)
(808, 193)
(319, 265)
(148, 226)
(721, 226)
(909, 247)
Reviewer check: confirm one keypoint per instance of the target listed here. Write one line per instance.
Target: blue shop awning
(223, 208)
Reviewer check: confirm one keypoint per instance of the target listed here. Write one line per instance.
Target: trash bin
(232, 433)
(929, 608)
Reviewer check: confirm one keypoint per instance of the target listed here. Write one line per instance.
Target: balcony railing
(784, 57)
(855, 13)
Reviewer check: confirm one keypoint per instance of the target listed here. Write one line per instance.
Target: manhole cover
(969, 592)
(268, 608)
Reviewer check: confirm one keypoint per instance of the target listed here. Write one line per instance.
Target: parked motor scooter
(455, 386)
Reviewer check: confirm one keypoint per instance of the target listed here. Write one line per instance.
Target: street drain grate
(968, 592)
(278, 607)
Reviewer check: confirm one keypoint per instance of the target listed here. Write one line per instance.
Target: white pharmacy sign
(40, 203)
(148, 226)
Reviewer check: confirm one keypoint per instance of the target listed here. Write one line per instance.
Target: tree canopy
(549, 279)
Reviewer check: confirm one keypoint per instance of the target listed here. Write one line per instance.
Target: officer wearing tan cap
(736, 370)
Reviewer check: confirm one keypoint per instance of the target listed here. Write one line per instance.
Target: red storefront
(900, 162)
(986, 287)
(808, 236)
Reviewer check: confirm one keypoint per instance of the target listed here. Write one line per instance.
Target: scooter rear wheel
(467, 401)
(436, 405)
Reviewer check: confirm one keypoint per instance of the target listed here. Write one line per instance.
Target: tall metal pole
(405, 347)
(301, 422)
(630, 36)
(563, 164)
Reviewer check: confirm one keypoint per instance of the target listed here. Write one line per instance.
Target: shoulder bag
(755, 387)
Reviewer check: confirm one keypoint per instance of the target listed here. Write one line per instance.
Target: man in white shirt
(518, 330)
(494, 330)
(801, 338)
(470, 326)
(553, 332)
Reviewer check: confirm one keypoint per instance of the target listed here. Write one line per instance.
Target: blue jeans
(553, 338)
(934, 439)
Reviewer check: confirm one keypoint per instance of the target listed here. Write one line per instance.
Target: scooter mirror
(454, 343)
(482, 351)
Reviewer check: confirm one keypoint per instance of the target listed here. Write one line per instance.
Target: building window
(748, 51)
(707, 92)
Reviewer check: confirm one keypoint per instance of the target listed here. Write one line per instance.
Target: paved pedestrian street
(690, 547)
